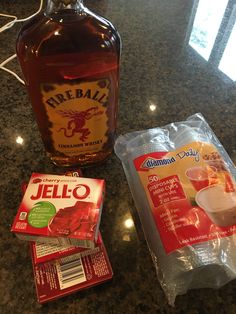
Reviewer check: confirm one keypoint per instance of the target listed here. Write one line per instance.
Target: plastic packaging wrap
(183, 184)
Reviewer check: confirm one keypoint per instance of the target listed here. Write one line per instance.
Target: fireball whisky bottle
(70, 61)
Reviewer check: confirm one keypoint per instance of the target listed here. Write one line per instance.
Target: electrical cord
(9, 25)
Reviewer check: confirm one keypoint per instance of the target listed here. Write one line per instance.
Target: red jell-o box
(73, 273)
(42, 252)
(60, 209)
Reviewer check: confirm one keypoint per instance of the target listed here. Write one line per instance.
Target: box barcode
(70, 271)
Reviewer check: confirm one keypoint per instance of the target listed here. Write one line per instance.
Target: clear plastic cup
(187, 135)
(219, 205)
(201, 177)
(198, 176)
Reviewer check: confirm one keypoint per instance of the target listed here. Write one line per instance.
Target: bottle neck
(54, 6)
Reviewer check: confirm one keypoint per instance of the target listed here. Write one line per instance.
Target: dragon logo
(77, 122)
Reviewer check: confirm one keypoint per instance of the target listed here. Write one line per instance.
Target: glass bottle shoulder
(68, 32)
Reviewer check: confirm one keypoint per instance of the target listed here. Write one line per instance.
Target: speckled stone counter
(168, 73)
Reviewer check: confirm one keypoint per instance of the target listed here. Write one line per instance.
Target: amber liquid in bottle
(70, 61)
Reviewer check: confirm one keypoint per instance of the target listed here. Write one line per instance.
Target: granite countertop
(177, 59)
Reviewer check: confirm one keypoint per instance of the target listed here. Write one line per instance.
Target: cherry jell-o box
(73, 273)
(60, 210)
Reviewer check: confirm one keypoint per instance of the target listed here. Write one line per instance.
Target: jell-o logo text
(81, 191)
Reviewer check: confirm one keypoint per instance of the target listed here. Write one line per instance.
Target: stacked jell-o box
(79, 269)
(60, 215)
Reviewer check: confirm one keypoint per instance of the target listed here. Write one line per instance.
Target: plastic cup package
(183, 185)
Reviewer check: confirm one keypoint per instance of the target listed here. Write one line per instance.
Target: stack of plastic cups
(206, 264)
(203, 264)
(144, 142)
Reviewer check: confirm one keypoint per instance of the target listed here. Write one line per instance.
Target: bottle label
(78, 115)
